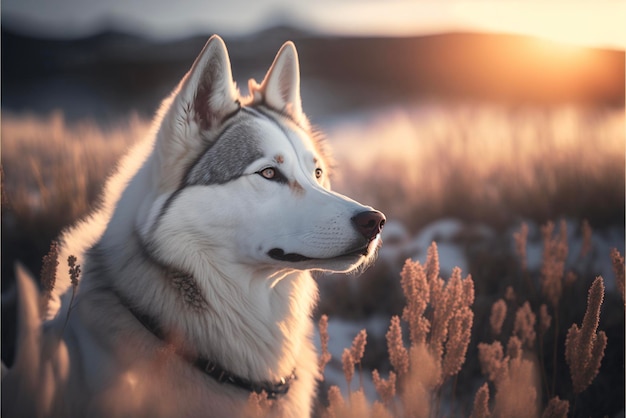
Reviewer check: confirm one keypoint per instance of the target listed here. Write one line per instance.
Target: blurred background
(103, 59)
(461, 120)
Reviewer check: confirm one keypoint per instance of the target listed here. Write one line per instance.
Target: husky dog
(196, 290)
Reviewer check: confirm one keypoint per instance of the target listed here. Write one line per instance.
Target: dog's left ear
(281, 86)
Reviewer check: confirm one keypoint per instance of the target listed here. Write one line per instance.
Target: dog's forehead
(244, 141)
(284, 139)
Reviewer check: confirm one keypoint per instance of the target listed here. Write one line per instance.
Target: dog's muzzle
(368, 223)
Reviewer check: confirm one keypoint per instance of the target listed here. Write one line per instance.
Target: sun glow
(573, 22)
(597, 24)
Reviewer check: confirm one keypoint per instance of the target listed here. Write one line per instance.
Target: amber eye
(318, 173)
(273, 174)
(269, 173)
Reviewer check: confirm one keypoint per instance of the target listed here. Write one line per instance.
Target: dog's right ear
(207, 93)
(203, 99)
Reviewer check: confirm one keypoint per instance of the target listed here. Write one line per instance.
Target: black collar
(274, 390)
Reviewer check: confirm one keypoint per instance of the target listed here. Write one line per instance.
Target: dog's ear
(204, 98)
(281, 86)
(207, 93)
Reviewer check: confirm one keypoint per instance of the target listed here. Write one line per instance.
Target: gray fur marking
(227, 158)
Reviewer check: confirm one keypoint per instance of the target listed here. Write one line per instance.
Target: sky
(588, 23)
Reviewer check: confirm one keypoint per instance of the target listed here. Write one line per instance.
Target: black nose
(369, 223)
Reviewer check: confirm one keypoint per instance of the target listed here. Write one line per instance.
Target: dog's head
(244, 181)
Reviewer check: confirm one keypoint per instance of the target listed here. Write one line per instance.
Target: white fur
(253, 315)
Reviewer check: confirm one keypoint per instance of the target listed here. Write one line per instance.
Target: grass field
(486, 163)
(481, 164)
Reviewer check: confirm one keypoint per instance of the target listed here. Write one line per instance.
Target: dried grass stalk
(618, 268)
(481, 403)
(49, 275)
(348, 366)
(510, 295)
(380, 411)
(358, 346)
(497, 317)
(74, 270)
(416, 289)
(514, 348)
(398, 355)
(423, 379)
(325, 355)
(491, 357)
(553, 262)
(584, 346)
(556, 408)
(513, 376)
(524, 326)
(516, 390)
(459, 334)
(386, 389)
(545, 320)
(336, 404)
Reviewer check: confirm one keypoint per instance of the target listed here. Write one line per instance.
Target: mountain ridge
(132, 71)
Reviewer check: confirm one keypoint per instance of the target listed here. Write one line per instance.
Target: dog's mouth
(280, 255)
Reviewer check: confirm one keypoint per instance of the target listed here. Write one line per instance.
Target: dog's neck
(273, 390)
(252, 324)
